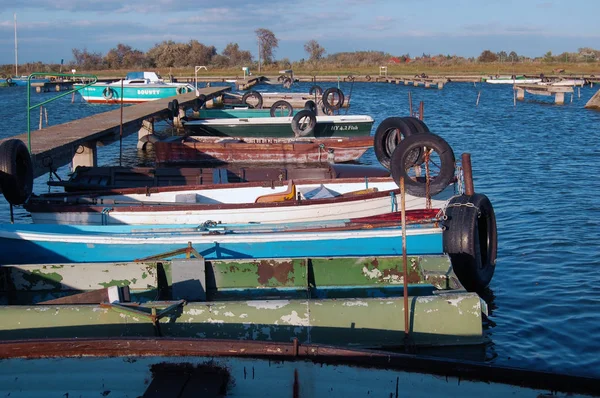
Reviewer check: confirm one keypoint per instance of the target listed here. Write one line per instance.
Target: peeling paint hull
(132, 367)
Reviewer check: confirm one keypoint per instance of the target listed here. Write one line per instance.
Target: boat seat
(289, 194)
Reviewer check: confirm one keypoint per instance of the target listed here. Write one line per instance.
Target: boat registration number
(148, 92)
(345, 127)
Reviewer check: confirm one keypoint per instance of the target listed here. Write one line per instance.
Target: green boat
(238, 113)
(304, 124)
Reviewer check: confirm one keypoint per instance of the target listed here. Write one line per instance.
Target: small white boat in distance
(513, 80)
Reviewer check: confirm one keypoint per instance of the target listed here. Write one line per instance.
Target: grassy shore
(478, 69)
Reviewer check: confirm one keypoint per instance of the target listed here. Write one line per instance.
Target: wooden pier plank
(57, 144)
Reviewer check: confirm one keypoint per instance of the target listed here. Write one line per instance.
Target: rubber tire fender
(287, 82)
(8, 80)
(405, 155)
(311, 106)
(298, 132)
(253, 94)
(181, 90)
(16, 171)
(107, 93)
(281, 104)
(336, 105)
(383, 142)
(417, 124)
(198, 102)
(316, 90)
(470, 239)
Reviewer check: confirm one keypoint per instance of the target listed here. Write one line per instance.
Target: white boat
(137, 87)
(513, 80)
(565, 83)
(234, 203)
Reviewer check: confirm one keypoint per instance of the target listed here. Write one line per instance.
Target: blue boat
(37, 243)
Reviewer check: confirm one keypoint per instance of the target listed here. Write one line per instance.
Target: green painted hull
(235, 113)
(283, 130)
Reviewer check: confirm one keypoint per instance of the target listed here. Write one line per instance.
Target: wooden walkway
(55, 146)
(540, 89)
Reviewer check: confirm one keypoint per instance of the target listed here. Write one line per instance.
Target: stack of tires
(403, 144)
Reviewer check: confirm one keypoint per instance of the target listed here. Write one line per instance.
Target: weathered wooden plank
(56, 145)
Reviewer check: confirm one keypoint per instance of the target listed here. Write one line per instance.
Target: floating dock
(546, 90)
(76, 141)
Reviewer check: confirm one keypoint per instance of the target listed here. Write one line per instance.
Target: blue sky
(48, 30)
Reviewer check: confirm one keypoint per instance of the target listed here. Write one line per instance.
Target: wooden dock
(547, 90)
(76, 141)
(53, 86)
(594, 102)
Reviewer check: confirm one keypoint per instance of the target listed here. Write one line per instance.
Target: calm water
(537, 162)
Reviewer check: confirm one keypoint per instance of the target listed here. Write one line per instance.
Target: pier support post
(427, 85)
(559, 98)
(416, 83)
(38, 89)
(85, 155)
(440, 85)
(520, 94)
(146, 130)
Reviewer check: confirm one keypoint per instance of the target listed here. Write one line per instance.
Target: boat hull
(31, 244)
(262, 150)
(95, 94)
(197, 207)
(513, 81)
(168, 367)
(326, 127)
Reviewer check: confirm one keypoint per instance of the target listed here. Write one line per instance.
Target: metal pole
(404, 258)
(16, 49)
(410, 107)
(121, 128)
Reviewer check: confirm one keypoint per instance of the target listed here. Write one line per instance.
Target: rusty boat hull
(217, 150)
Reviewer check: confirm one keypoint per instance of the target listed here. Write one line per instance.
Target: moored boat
(119, 177)
(284, 127)
(520, 79)
(277, 202)
(137, 87)
(197, 367)
(217, 150)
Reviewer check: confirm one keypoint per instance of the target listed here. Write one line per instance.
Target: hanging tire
(471, 240)
(388, 135)
(253, 94)
(418, 125)
(107, 93)
(287, 82)
(299, 125)
(311, 106)
(407, 157)
(181, 90)
(316, 90)
(16, 171)
(368, 78)
(8, 80)
(289, 109)
(173, 107)
(334, 93)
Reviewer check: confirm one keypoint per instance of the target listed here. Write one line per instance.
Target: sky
(48, 30)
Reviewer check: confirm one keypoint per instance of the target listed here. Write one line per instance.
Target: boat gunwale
(320, 354)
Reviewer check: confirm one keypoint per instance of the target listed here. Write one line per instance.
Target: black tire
(280, 78)
(316, 90)
(107, 93)
(299, 128)
(311, 106)
(287, 82)
(368, 78)
(333, 92)
(471, 240)
(16, 171)
(173, 107)
(388, 135)
(407, 155)
(253, 94)
(418, 125)
(289, 109)
(8, 80)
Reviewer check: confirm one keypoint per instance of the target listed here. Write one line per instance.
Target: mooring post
(404, 259)
(559, 98)
(146, 130)
(467, 174)
(85, 155)
(520, 93)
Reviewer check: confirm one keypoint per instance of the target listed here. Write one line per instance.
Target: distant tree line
(193, 53)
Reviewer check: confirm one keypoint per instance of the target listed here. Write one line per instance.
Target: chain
(469, 204)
